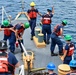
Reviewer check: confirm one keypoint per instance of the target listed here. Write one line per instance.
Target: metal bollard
(37, 31)
(40, 37)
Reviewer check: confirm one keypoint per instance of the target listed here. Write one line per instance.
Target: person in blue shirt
(72, 65)
(58, 31)
(68, 50)
(51, 67)
(8, 58)
(19, 31)
(46, 24)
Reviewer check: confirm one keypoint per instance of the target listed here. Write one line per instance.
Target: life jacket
(5, 66)
(20, 30)
(32, 13)
(3, 63)
(56, 31)
(7, 32)
(71, 50)
(46, 19)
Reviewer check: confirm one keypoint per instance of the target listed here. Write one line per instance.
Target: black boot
(54, 54)
(60, 53)
(47, 42)
(31, 37)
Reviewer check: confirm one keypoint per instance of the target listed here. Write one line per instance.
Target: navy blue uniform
(67, 59)
(8, 34)
(33, 15)
(56, 40)
(46, 27)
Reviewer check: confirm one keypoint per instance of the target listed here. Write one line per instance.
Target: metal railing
(4, 12)
(22, 72)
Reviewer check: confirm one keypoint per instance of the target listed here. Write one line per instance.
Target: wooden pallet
(39, 45)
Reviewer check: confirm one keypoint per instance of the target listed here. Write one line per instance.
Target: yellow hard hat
(32, 4)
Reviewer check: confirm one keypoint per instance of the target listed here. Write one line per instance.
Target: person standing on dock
(58, 31)
(68, 50)
(46, 24)
(33, 15)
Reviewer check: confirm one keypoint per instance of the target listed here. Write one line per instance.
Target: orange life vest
(57, 32)
(46, 19)
(32, 13)
(20, 30)
(71, 50)
(3, 64)
(7, 32)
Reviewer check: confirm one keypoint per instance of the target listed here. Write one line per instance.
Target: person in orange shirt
(32, 13)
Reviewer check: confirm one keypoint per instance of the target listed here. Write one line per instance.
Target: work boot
(54, 54)
(22, 51)
(47, 42)
(60, 53)
(31, 37)
(12, 51)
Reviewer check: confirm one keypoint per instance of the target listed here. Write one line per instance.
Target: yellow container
(63, 69)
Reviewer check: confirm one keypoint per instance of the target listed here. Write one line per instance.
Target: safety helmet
(32, 4)
(64, 22)
(6, 23)
(50, 66)
(67, 37)
(26, 24)
(3, 45)
(50, 9)
(72, 63)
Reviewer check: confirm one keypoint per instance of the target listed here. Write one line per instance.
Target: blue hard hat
(72, 63)
(50, 9)
(50, 66)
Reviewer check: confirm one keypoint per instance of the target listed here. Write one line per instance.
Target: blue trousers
(12, 40)
(32, 26)
(56, 40)
(46, 30)
(67, 60)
